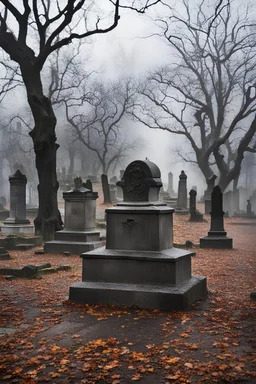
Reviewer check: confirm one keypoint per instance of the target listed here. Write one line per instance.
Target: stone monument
(249, 211)
(17, 221)
(79, 234)
(105, 188)
(182, 202)
(170, 185)
(195, 215)
(217, 235)
(139, 265)
(207, 195)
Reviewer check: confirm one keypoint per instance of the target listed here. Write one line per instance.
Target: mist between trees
(205, 93)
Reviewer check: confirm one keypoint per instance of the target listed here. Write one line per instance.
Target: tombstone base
(9, 229)
(154, 280)
(220, 242)
(16, 221)
(140, 295)
(196, 216)
(75, 242)
(5, 256)
(181, 211)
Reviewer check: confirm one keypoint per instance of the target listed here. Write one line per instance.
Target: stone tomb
(139, 265)
(17, 221)
(217, 235)
(79, 234)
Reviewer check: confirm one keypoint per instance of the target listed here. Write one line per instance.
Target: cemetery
(152, 300)
(127, 192)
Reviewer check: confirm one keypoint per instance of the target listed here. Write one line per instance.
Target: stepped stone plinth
(139, 265)
(79, 234)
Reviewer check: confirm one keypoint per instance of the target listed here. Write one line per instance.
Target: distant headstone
(170, 184)
(112, 190)
(88, 185)
(182, 191)
(249, 211)
(113, 180)
(217, 235)
(79, 234)
(105, 188)
(195, 215)
(207, 196)
(3, 201)
(18, 183)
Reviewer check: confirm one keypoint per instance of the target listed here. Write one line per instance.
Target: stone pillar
(182, 191)
(18, 183)
(217, 235)
(105, 188)
(170, 184)
(192, 201)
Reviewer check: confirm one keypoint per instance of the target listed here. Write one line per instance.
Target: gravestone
(217, 235)
(113, 180)
(88, 185)
(253, 200)
(182, 202)
(4, 255)
(17, 221)
(170, 185)
(249, 211)
(112, 191)
(3, 201)
(105, 188)
(119, 191)
(207, 195)
(79, 234)
(139, 265)
(195, 215)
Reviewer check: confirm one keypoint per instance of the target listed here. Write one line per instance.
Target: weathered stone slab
(143, 296)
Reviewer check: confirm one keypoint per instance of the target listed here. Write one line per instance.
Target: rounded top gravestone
(141, 181)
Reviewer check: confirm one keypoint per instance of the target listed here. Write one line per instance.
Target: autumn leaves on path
(53, 340)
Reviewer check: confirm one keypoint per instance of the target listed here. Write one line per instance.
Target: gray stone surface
(149, 228)
(172, 266)
(139, 265)
(105, 189)
(75, 248)
(182, 191)
(79, 234)
(217, 235)
(18, 183)
(144, 296)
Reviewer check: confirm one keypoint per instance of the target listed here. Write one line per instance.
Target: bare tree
(207, 93)
(96, 117)
(30, 32)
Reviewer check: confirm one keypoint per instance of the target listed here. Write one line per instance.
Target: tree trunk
(71, 162)
(48, 219)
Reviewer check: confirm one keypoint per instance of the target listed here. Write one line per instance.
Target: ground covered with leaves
(52, 340)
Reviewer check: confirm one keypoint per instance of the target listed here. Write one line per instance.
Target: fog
(130, 49)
